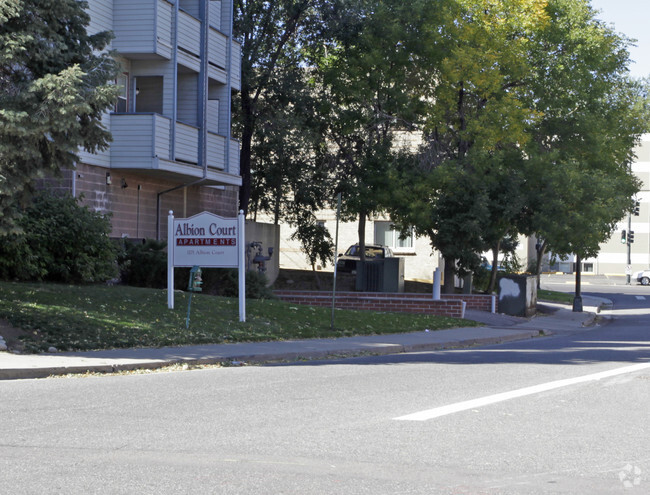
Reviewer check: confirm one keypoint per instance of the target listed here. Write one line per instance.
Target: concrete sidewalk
(498, 329)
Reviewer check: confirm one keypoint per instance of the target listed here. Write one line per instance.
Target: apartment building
(172, 147)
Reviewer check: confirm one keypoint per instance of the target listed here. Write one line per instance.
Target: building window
(386, 234)
(149, 94)
(122, 82)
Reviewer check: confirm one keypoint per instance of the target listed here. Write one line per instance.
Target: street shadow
(618, 341)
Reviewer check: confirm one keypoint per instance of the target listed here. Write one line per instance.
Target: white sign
(209, 241)
(206, 240)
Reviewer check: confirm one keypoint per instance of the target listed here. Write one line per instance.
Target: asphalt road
(562, 414)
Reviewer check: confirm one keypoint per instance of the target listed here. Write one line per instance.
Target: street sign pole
(336, 254)
(170, 260)
(242, 267)
(629, 249)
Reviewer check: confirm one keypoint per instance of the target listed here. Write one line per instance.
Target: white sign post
(209, 241)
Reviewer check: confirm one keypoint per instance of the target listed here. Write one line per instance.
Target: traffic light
(623, 237)
(637, 205)
(630, 237)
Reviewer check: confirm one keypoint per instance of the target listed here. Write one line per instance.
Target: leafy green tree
(274, 101)
(54, 86)
(476, 120)
(284, 167)
(369, 80)
(316, 242)
(579, 181)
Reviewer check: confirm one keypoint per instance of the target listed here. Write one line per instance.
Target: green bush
(256, 285)
(144, 264)
(60, 241)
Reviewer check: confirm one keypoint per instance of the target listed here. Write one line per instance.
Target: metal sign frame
(209, 241)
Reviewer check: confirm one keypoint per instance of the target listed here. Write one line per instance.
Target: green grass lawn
(553, 296)
(105, 317)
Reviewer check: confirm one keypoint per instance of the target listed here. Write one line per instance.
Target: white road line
(641, 298)
(522, 392)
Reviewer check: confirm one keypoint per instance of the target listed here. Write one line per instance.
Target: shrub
(225, 282)
(60, 241)
(144, 264)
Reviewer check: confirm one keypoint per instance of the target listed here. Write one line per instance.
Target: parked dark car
(348, 262)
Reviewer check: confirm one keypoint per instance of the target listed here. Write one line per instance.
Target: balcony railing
(143, 141)
(187, 143)
(143, 27)
(189, 40)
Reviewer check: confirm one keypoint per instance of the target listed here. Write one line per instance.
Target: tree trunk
(316, 277)
(245, 153)
(495, 268)
(450, 286)
(540, 248)
(362, 236)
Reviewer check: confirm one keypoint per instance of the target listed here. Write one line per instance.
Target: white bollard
(436, 284)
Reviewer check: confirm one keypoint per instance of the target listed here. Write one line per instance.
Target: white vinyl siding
(187, 143)
(234, 157)
(212, 116)
(145, 32)
(138, 139)
(216, 151)
(235, 67)
(101, 16)
(189, 33)
(217, 44)
(143, 27)
(215, 14)
(188, 97)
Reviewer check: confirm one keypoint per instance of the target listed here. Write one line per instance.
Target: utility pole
(577, 300)
(630, 239)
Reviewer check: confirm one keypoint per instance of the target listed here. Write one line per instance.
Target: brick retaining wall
(449, 305)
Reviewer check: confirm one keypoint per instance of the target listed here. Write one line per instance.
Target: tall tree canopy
(579, 177)
(275, 118)
(370, 75)
(476, 121)
(526, 113)
(54, 86)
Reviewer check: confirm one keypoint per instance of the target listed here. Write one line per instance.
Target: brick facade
(131, 197)
(449, 305)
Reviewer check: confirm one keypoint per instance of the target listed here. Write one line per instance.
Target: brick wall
(134, 207)
(393, 302)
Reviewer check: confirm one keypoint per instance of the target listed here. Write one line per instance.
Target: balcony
(217, 56)
(189, 41)
(143, 29)
(216, 152)
(142, 142)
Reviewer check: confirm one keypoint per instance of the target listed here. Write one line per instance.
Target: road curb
(297, 356)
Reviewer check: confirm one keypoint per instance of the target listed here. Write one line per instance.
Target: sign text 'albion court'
(213, 229)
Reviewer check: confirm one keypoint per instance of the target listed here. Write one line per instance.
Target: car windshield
(371, 252)
(352, 251)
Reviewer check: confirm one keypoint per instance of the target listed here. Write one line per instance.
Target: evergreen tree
(55, 83)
